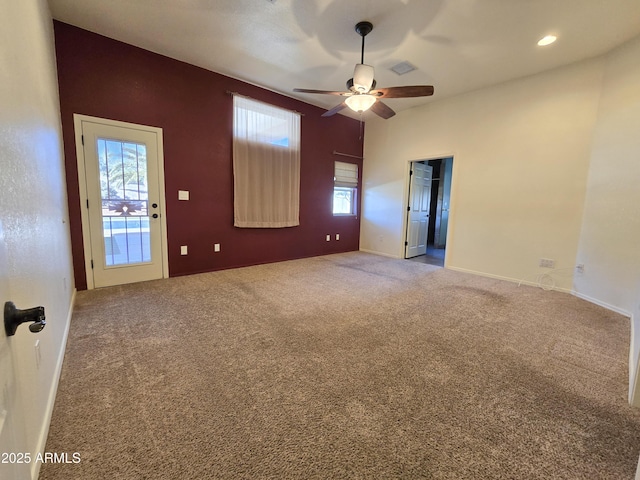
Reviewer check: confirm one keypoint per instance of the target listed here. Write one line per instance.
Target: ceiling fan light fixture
(362, 77)
(360, 103)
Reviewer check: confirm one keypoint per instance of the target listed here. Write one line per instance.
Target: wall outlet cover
(547, 263)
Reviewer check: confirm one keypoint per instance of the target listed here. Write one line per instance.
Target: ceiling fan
(362, 94)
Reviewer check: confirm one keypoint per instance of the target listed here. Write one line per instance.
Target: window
(345, 188)
(266, 165)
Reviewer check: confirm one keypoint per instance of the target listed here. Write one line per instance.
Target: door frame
(406, 200)
(82, 186)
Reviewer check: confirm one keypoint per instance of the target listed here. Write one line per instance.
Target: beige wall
(34, 236)
(521, 155)
(610, 237)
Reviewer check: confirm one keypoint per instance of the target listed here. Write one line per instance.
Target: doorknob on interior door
(14, 317)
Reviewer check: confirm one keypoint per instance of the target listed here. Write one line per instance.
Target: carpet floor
(343, 366)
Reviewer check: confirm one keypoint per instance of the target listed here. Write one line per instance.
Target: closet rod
(229, 92)
(347, 155)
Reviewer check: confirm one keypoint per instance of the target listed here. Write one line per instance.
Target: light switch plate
(183, 194)
(183, 250)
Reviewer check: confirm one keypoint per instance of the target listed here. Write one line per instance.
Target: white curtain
(266, 165)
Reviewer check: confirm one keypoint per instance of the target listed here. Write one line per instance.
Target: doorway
(428, 218)
(122, 188)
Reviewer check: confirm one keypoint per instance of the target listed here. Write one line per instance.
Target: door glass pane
(125, 215)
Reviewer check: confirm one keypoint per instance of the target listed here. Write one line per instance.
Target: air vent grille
(402, 68)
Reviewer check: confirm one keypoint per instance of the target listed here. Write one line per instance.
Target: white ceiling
(457, 45)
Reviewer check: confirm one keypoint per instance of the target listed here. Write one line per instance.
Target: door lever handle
(14, 317)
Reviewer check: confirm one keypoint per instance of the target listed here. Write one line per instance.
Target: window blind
(346, 175)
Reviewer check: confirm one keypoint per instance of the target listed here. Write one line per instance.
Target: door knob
(14, 317)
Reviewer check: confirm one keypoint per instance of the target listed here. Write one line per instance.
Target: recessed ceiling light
(548, 40)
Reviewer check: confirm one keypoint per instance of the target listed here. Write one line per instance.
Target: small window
(345, 188)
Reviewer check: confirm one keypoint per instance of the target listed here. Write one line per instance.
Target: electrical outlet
(216, 247)
(580, 268)
(337, 236)
(547, 263)
(328, 238)
(183, 250)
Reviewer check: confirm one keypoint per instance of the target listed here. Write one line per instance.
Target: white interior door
(446, 171)
(418, 210)
(122, 165)
(13, 463)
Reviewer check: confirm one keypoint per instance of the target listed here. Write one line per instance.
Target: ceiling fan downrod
(363, 29)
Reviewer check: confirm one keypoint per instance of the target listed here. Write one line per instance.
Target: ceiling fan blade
(382, 110)
(404, 92)
(324, 92)
(334, 110)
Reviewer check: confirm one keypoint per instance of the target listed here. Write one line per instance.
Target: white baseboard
(507, 279)
(634, 365)
(44, 429)
(382, 254)
(601, 303)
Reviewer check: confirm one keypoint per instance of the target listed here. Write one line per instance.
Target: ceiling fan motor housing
(351, 88)
(363, 78)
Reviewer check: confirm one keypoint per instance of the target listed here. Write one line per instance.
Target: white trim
(382, 254)
(53, 390)
(556, 289)
(601, 303)
(508, 279)
(634, 367)
(82, 185)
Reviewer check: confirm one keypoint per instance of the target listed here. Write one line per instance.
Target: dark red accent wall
(102, 77)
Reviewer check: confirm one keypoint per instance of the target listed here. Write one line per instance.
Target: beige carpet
(343, 366)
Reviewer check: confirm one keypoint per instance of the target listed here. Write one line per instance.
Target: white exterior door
(124, 217)
(418, 209)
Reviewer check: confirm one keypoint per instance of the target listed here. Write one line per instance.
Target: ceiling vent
(402, 68)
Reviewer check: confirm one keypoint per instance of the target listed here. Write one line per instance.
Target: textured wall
(34, 236)
(109, 79)
(521, 155)
(609, 246)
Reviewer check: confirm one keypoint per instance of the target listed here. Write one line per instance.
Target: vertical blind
(266, 165)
